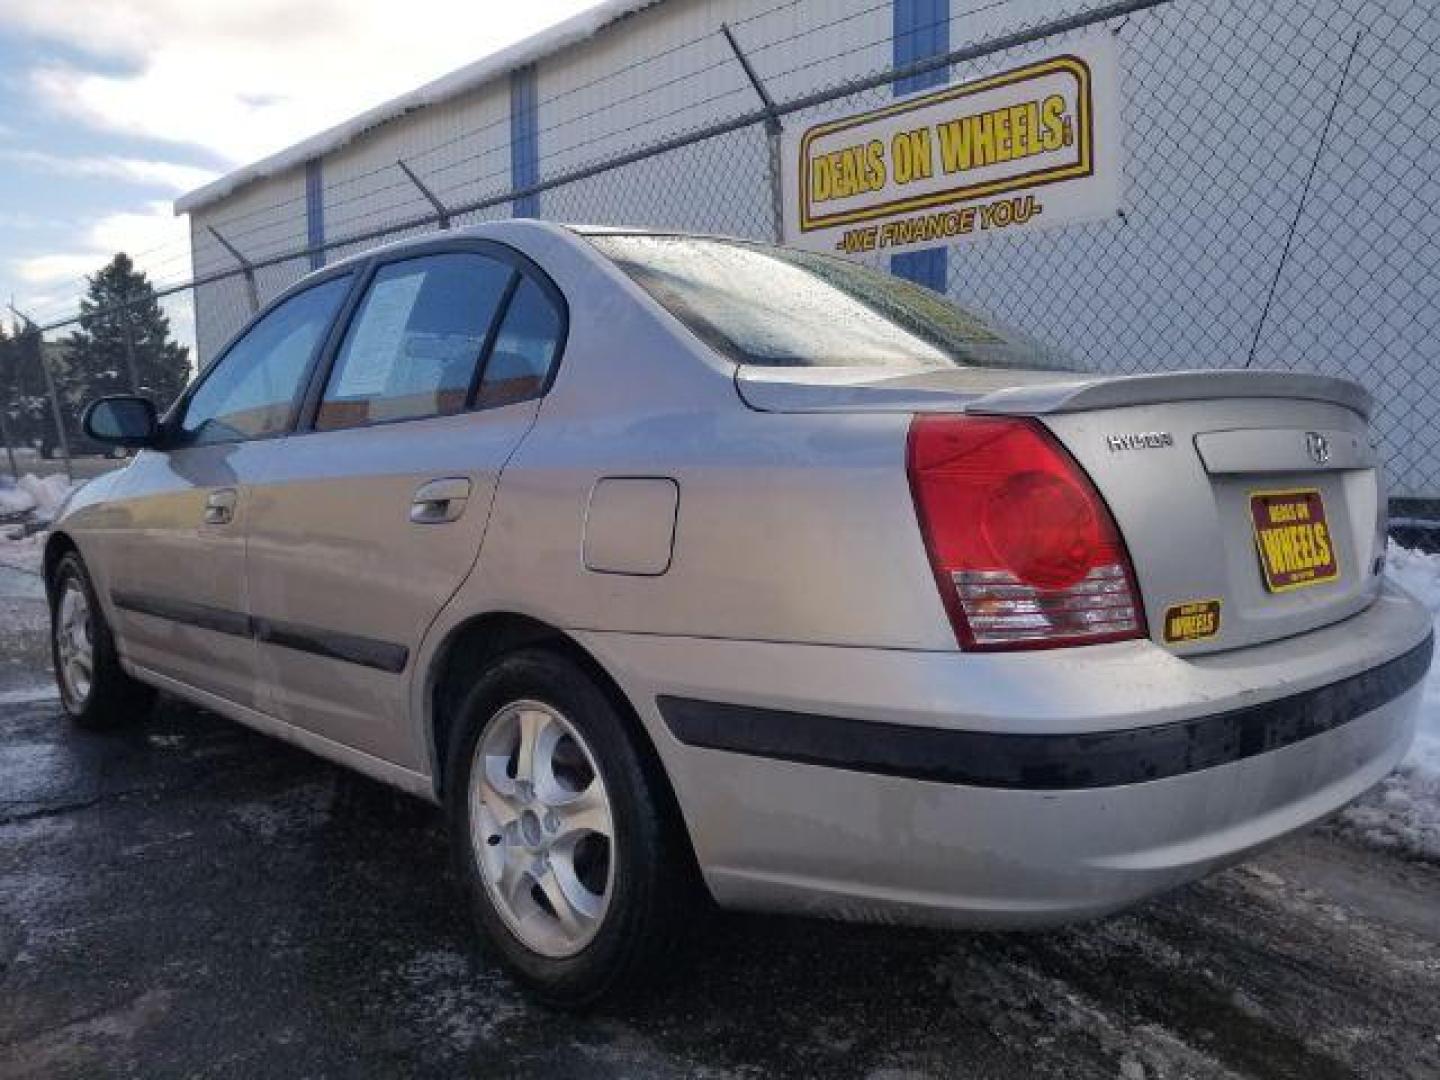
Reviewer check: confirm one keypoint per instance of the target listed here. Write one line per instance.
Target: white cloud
(245, 80)
(53, 268)
(240, 80)
(152, 236)
(157, 241)
(164, 174)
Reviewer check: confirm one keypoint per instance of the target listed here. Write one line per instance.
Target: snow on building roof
(575, 29)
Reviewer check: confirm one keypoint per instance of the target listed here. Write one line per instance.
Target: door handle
(220, 507)
(440, 500)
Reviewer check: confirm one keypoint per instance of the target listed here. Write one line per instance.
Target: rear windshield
(776, 307)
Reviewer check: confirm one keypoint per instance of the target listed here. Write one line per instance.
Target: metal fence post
(9, 449)
(247, 268)
(5, 435)
(441, 213)
(55, 411)
(773, 133)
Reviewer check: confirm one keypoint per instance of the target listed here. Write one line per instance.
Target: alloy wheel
(542, 828)
(75, 642)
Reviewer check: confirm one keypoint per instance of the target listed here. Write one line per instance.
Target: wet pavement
(189, 898)
(24, 654)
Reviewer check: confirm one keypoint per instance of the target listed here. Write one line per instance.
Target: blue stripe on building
(921, 29)
(314, 213)
(524, 139)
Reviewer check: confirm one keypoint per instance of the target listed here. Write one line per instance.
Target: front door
(367, 521)
(177, 575)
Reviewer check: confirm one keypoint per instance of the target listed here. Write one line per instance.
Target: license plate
(1293, 538)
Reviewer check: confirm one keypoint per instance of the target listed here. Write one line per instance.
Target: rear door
(369, 519)
(177, 577)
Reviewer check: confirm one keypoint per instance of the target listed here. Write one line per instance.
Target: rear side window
(254, 388)
(525, 348)
(417, 338)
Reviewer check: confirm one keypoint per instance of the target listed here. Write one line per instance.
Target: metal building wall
(266, 218)
(666, 70)
(459, 149)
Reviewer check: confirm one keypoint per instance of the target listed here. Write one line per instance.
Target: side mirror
(122, 421)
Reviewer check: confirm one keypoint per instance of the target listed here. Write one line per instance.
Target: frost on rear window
(774, 307)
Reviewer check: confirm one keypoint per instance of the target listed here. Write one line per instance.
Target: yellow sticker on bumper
(1194, 620)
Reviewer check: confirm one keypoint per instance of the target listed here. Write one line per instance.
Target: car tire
(94, 690)
(521, 838)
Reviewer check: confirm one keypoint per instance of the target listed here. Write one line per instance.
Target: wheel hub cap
(530, 828)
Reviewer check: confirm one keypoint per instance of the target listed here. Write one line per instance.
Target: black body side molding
(367, 652)
(1042, 762)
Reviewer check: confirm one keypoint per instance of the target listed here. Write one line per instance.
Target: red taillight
(1024, 550)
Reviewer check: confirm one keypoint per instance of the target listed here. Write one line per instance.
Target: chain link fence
(1279, 185)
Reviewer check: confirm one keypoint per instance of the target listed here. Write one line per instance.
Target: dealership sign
(1031, 147)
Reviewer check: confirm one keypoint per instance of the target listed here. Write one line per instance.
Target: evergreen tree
(124, 343)
(22, 384)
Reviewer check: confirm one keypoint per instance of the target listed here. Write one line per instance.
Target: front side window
(415, 342)
(254, 388)
(776, 307)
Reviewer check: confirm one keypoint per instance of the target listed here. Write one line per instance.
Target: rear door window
(415, 344)
(525, 348)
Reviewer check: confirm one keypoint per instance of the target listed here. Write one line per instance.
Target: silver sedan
(678, 567)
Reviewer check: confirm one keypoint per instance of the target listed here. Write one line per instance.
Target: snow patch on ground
(30, 501)
(1024, 1005)
(442, 989)
(13, 500)
(280, 818)
(38, 495)
(1404, 812)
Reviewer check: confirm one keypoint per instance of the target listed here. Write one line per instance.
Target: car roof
(493, 230)
(508, 230)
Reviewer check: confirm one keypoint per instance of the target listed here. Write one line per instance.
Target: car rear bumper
(1009, 790)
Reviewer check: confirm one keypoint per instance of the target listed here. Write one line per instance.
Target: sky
(109, 110)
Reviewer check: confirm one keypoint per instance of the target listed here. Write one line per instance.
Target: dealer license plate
(1293, 538)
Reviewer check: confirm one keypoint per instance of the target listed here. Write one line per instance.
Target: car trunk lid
(1250, 502)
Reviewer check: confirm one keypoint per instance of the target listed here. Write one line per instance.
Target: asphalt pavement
(189, 898)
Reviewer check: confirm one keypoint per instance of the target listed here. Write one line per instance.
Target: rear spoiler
(1113, 392)
(1027, 393)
